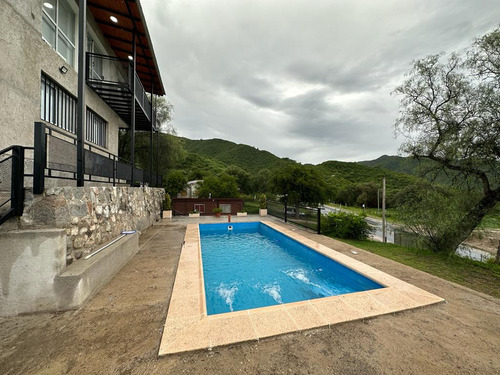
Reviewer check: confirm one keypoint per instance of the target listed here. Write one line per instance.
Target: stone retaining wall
(92, 215)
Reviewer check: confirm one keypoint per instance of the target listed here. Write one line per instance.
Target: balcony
(111, 78)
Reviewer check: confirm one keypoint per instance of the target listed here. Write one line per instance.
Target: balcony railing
(55, 157)
(141, 97)
(111, 78)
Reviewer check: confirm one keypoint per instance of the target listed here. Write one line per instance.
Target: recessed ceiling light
(48, 5)
(130, 58)
(114, 19)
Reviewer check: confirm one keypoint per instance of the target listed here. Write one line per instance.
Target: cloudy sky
(309, 80)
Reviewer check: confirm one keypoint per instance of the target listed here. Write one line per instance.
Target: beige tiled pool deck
(188, 327)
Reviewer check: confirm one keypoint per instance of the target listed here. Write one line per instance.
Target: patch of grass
(492, 220)
(483, 277)
(251, 207)
(373, 212)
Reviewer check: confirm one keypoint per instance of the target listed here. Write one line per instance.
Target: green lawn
(483, 277)
(373, 212)
(490, 221)
(251, 207)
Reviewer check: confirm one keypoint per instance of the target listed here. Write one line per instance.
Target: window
(58, 28)
(199, 207)
(226, 208)
(96, 128)
(58, 107)
(95, 63)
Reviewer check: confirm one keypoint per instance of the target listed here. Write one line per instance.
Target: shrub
(345, 225)
(167, 202)
(262, 201)
(217, 210)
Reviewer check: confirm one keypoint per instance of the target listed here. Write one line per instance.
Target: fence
(308, 217)
(11, 182)
(55, 157)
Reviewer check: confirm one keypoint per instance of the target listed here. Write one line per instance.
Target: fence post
(17, 183)
(40, 156)
(319, 220)
(114, 169)
(286, 209)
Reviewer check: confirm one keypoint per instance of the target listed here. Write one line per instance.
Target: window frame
(60, 111)
(58, 30)
(200, 207)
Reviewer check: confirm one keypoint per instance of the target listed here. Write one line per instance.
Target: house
(191, 189)
(73, 75)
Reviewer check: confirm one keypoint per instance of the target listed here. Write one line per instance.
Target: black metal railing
(11, 182)
(308, 217)
(55, 157)
(113, 83)
(141, 97)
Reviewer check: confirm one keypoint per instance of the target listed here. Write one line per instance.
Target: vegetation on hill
(394, 163)
(228, 153)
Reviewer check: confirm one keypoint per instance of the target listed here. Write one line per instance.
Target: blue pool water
(253, 266)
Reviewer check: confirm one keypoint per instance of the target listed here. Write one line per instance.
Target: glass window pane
(65, 49)
(50, 7)
(66, 20)
(48, 30)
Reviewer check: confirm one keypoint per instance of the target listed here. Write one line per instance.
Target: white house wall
(23, 56)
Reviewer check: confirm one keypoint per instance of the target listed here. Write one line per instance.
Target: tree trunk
(455, 236)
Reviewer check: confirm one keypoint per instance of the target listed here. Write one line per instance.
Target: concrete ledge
(29, 261)
(81, 280)
(34, 276)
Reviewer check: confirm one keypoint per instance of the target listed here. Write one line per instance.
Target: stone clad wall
(92, 216)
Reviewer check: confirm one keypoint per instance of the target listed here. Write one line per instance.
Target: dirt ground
(119, 330)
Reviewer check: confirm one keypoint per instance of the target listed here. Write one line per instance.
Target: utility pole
(384, 234)
(378, 200)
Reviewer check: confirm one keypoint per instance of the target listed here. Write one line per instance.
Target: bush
(345, 225)
(262, 201)
(167, 202)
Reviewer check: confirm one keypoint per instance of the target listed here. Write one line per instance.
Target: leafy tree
(169, 152)
(222, 186)
(176, 182)
(450, 114)
(242, 177)
(300, 184)
(261, 181)
(164, 110)
(430, 210)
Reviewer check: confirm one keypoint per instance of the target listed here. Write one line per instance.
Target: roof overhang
(120, 37)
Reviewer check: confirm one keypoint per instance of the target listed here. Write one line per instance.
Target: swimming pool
(188, 327)
(251, 265)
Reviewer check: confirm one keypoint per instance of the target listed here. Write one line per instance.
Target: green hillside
(344, 173)
(228, 153)
(394, 163)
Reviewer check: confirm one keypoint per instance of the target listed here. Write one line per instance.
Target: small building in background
(205, 206)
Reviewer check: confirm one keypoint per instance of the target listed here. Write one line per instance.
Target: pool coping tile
(188, 327)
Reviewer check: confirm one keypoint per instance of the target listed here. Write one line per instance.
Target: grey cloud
(309, 80)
